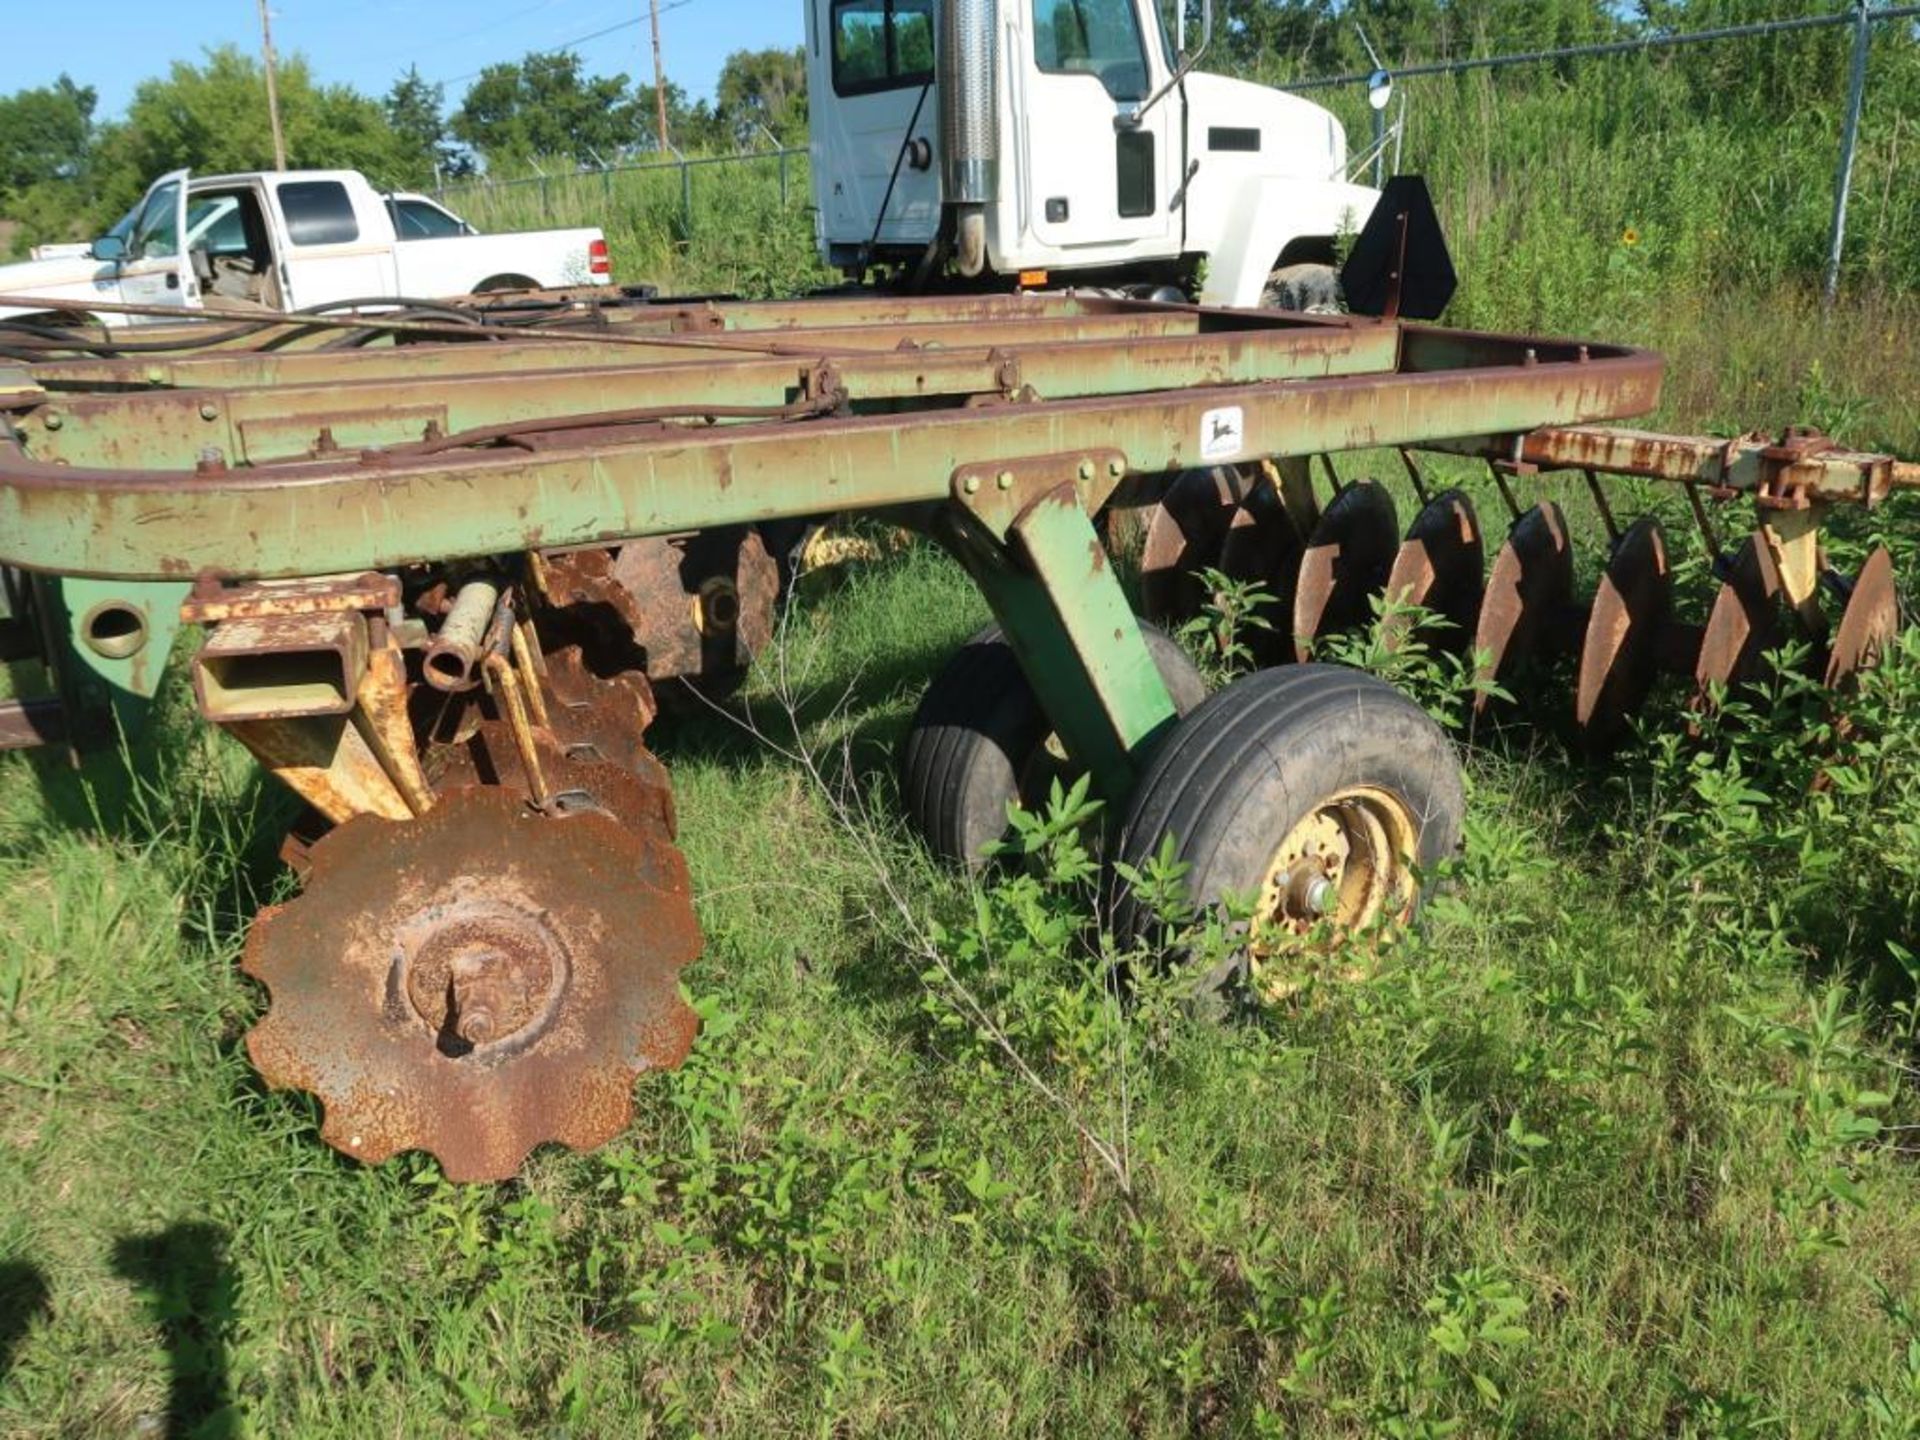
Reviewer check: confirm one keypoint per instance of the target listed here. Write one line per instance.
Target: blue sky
(114, 44)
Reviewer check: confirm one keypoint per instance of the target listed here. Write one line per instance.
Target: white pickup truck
(288, 241)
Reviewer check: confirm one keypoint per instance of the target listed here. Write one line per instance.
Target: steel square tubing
(378, 511)
(164, 428)
(514, 354)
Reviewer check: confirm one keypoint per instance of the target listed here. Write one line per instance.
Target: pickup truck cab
(290, 241)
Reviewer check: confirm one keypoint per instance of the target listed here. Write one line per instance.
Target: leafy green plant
(1221, 637)
(1476, 1325)
(1399, 645)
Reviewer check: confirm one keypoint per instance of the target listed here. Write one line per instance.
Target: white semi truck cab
(1013, 140)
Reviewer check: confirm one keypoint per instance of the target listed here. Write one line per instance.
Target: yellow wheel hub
(1346, 869)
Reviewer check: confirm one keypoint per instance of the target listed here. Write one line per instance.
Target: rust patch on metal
(633, 788)
(327, 762)
(1185, 533)
(1744, 624)
(1347, 562)
(212, 600)
(1531, 584)
(477, 983)
(1869, 624)
(703, 606)
(1617, 660)
(1441, 567)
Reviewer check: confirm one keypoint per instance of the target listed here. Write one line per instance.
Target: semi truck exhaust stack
(969, 122)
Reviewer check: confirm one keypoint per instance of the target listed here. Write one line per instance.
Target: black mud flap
(1400, 266)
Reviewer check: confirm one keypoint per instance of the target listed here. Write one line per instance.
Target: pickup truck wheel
(1321, 793)
(1308, 289)
(500, 283)
(980, 741)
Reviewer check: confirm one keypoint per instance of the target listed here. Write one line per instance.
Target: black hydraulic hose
(54, 339)
(906, 146)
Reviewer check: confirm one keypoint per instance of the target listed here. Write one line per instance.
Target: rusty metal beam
(234, 369)
(378, 511)
(163, 428)
(1823, 471)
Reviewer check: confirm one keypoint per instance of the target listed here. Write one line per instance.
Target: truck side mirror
(110, 247)
(1130, 119)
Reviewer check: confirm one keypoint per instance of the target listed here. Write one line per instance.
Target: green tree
(45, 134)
(763, 88)
(690, 125)
(544, 106)
(426, 152)
(212, 117)
(46, 137)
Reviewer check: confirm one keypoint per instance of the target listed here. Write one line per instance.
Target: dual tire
(980, 742)
(1320, 792)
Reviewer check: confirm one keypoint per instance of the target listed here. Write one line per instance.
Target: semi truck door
(1092, 184)
(154, 270)
(876, 57)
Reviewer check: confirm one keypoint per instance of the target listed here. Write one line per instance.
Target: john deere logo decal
(1223, 434)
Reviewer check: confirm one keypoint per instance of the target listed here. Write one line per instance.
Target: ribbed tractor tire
(978, 735)
(1239, 778)
(1305, 289)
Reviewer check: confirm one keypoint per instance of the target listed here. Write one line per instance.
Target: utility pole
(659, 78)
(273, 90)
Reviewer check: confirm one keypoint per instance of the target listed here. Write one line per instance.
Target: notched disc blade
(1440, 567)
(1185, 533)
(1744, 625)
(1260, 539)
(476, 982)
(1623, 632)
(1870, 624)
(1347, 561)
(634, 789)
(1530, 584)
(706, 605)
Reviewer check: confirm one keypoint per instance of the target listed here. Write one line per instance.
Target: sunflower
(1629, 236)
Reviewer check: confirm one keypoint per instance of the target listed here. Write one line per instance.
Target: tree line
(64, 172)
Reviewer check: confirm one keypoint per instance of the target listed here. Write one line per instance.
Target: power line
(567, 45)
(492, 25)
(1616, 47)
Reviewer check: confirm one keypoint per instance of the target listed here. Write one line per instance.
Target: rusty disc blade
(1346, 563)
(1744, 625)
(1184, 534)
(1260, 539)
(571, 681)
(706, 605)
(1870, 624)
(634, 790)
(1530, 584)
(1623, 632)
(1442, 568)
(477, 982)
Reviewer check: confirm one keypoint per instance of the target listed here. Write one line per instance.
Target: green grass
(1594, 1155)
(1615, 1146)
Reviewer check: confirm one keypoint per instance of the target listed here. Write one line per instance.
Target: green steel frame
(1001, 425)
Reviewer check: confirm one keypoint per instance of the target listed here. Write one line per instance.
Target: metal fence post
(1849, 140)
(783, 178)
